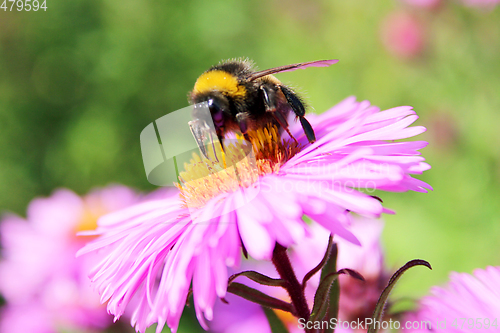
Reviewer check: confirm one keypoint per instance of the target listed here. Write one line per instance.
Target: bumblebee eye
(216, 111)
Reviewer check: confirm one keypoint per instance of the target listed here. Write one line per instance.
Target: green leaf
(256, 296)
(321, 299)
(331, 262)
(334, 293)
(259, 278)
(379, 308)
(276, 324)
(320, 265)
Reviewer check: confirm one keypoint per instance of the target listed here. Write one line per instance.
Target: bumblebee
(241, 99)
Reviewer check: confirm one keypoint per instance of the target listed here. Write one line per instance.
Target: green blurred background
(79, 82)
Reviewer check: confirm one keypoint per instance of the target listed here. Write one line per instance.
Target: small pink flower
(46, 288)
(468, 303)
(403, 35)
(355, 149)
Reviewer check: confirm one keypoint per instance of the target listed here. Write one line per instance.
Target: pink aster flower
(162, 247)
(357, 298)
(46, 288)
(468, 303)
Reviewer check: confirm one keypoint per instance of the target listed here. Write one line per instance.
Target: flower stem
(293, 287)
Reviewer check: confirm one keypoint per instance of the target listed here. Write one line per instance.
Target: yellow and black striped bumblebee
(241, 99)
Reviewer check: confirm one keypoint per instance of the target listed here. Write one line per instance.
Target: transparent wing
(290, 68)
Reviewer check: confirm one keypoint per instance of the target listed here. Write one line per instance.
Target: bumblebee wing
(290, 68)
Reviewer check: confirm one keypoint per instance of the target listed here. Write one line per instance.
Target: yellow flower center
(236, 167)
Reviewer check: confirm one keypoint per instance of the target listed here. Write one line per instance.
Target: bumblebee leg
(242, 119)
(299, 109)
(269, 97)
(306, 126)
(223, 152)
(221, 137)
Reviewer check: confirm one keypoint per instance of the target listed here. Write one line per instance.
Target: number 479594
(20, 5)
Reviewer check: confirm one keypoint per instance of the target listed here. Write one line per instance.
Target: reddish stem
(293, 287)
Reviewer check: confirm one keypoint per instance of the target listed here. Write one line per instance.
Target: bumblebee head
(219, 108)
(218, 104)
(217, 87)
